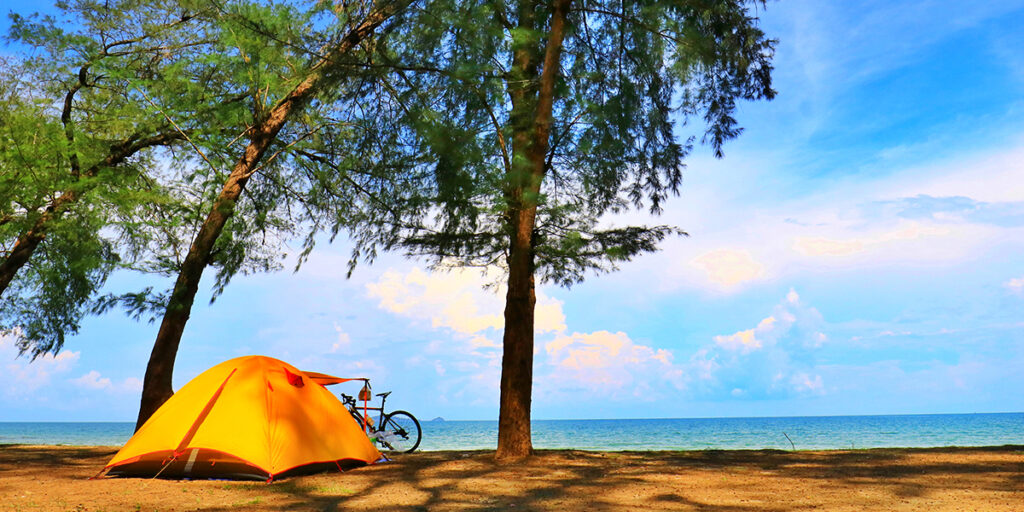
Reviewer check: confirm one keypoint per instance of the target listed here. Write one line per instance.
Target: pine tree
(543, 118)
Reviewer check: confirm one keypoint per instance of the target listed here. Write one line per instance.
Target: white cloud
(547, 314)
(746, 228)
(1016, 284)
(601, 349)
(608, 363)
(824, 246)
(889, 332)
(483, 342)
(773, 358)
(768, 330)
(456, 299)
(728, 267)
(132, 385)
(95, 381)
(53, 379)
(746, 341)
(359, 368)
(22, 376)
(820, 246)
(444, 299)
(92, 380)
(805, 383)
(341, 342)
(993, 176)
(469, 305)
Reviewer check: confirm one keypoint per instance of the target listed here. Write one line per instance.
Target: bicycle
(397, 431)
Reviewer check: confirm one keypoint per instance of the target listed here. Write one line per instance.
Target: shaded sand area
(970, 479)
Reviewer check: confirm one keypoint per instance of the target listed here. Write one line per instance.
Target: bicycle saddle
(384, 394)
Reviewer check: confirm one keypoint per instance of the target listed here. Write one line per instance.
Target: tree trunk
(531, 124)
(514, 435)
(157, 384)
(20, 254)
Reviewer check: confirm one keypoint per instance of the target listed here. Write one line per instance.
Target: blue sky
(858, 251)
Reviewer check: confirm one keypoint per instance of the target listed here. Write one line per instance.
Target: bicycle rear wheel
(400, 432)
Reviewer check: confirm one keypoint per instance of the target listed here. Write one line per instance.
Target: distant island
(438, 419)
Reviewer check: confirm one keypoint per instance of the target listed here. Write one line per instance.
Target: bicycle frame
(363, 412)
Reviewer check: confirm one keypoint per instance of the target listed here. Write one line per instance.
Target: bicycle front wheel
(400, 432)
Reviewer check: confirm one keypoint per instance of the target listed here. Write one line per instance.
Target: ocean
(806, 433)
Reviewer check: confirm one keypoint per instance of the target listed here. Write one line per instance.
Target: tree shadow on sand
(574, 480)
(26, 459)
(711, 480)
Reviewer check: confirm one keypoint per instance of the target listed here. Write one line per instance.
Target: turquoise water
(828, 432)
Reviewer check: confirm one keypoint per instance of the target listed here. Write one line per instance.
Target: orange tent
(250, 417)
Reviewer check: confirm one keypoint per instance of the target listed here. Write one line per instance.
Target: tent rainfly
(252, 417)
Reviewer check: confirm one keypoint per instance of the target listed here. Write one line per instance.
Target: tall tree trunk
(157, 384)
(514, 437)
(156, 387)
(531, 140)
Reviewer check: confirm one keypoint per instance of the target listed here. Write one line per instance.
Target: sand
(969, 479)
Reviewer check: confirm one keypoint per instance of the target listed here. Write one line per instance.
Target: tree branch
(65, 118)
(179, 130)
(634, 21)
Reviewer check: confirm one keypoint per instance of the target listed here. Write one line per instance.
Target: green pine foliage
(415, 143)
(634, 76)
(326, 164)
(77, 153)
(203, 74)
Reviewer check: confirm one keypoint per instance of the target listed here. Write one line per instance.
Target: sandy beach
(48, 478)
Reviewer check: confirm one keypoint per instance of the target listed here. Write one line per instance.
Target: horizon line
(443, 419)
